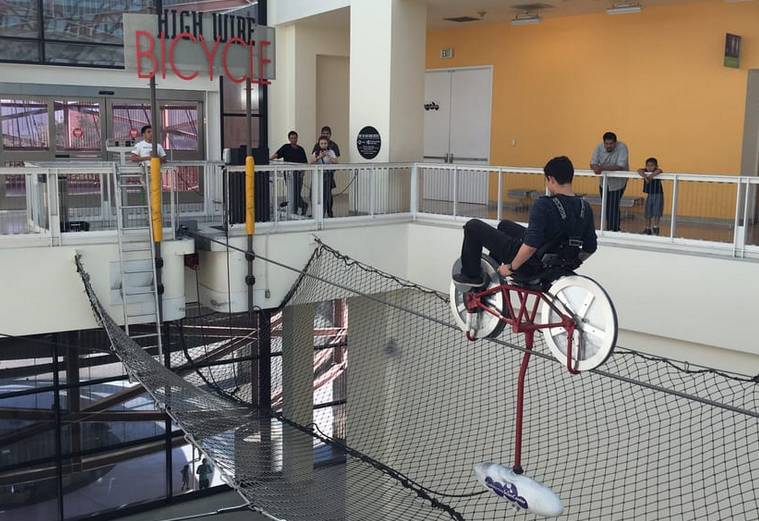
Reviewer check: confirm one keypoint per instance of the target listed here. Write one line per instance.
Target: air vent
(461, 19)
(531, 7)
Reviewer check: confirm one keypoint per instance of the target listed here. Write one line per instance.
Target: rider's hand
(504, 270)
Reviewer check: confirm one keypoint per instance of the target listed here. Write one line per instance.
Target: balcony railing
(54, 206)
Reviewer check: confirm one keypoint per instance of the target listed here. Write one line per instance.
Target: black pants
(502, 244)
(327, 185)
(298, 187)
(613, 198)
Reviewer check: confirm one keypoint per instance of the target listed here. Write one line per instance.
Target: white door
(457, 130)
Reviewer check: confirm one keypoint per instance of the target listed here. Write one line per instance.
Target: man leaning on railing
(610, 156)
(144, 149)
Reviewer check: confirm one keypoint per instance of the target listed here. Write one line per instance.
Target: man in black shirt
(327, 132)
(292, 152)
(513, 245)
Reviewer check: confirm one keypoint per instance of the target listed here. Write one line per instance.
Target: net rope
(410, 406)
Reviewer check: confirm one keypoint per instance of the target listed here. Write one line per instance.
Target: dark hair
(143, 129)
(291, 133)
(610, 136)
(326, 129)
(325, 138)
(652, 160)
(561, 169)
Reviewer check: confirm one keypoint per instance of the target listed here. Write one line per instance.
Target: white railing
(711, 213)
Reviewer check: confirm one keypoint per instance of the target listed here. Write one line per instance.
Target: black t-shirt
(292, 154)
(546, 223)
(332, 146)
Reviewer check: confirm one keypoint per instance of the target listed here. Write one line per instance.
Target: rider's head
(559, 171)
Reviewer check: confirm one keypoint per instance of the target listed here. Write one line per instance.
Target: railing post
(499, 203)
(414, 192)
(604, 202)
(373, 179)
(455, 189)
(53, 207)
(173, 203)
(673, 217)
(739, 230)
(316, 196)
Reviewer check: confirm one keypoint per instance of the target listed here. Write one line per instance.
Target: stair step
(146, 335)
(141, 206)
(133, 228)
(139, 315)
(139, 292)
(130, 175)
(126, 272)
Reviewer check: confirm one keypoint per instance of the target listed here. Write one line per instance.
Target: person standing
(611, 156)
(144, 149)
(326, 156)
(205, 473)
(186, 477)
(654, 191)
(327, 132)
(292, 152)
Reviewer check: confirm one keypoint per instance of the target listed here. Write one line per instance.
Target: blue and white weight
(519, 490)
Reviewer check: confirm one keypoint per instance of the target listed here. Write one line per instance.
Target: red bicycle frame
(522, 321)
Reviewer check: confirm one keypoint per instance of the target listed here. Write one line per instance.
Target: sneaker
(656, 230)
(647, 231)
(472, 282)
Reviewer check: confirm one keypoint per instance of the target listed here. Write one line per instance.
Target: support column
(298, 390)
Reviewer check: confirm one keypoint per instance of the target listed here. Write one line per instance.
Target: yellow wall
(655, 78)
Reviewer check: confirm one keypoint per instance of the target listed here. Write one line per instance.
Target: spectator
(292, 152)
(144, 149)
(327, 132)
(324, 155)
(611, 156)
(205, 473)
(655, 198)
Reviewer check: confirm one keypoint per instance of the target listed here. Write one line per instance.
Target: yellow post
(250, 202)
(156, 220)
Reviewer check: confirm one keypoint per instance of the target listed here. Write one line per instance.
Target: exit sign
(446, 53)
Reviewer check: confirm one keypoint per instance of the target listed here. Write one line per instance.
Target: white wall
(43, 293)
(293, 95)
(332, 96)
(288, 11)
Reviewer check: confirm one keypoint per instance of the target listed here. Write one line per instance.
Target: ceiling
(504, 11)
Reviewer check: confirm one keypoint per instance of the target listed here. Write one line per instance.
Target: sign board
(732, 51)
(369, 142)
(77, 132)
(133, 133)
(190, 44)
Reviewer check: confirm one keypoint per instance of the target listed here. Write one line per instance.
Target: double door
(457, 113)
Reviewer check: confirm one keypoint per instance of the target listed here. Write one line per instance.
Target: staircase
(139, 293)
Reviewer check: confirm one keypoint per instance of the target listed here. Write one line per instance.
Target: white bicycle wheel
(596, 333)
(481, 324)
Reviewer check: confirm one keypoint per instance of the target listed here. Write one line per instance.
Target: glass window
(19, 18)
(234, 97)
(25, 124)
(79, 54)
(30, 495)
(180, 127)
(77, 125)
(97, 21)
(19, 50)
(235, 133)
(128, 119)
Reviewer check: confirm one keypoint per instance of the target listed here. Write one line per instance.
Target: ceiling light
(526, 20)
(624, 9)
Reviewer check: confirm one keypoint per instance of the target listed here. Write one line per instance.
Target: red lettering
(262, 61)
(210, 55)
(174, 42)
(224, 63)
(150, 53)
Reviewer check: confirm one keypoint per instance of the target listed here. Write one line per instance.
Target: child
(655, 199)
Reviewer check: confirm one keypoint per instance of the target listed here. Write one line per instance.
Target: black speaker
(237, 186)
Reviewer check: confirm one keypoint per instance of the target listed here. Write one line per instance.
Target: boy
(513, 246)
(655, 199)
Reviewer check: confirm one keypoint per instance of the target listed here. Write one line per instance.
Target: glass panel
(180, 127)
(29, 494)
(107, 481)
(19, 50)
(234, 98)
(102, 55)
(128, 119)
(77, 126)
(235, 133)
(19, 18)
(25, 124)
(89, 20)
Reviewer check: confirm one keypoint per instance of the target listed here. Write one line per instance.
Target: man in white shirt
(610, 156)
(142, 150)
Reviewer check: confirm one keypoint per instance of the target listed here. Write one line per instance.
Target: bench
(626, 203)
